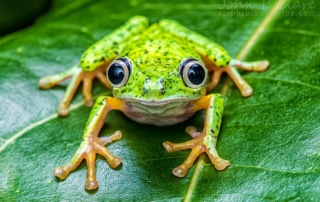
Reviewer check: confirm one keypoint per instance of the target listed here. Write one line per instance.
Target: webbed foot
(199, 144)
(88, 150)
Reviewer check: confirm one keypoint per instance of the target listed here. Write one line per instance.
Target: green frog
(158, 74)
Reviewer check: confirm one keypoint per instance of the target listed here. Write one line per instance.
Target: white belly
(165, 114)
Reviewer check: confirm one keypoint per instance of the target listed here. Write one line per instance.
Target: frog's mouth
(158, 108)
(155, 103)
(158, 103)
(166, 112)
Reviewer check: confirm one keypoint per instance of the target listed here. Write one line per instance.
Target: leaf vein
(14, 137)
(262, 124)
(290, 82)
(24, 130)
(275, 170)
(296, 31)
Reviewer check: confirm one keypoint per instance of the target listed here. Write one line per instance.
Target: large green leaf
(271, 138)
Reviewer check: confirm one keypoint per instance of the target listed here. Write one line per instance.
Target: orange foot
(88, 150)
(199, 144)
(243, 86)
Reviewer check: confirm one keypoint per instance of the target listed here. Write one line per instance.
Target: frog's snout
(154, 88)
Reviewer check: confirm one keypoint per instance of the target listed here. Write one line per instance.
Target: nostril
(153, 87)
(145, 90)
(161, 80)
(160, 84)
(162, 90)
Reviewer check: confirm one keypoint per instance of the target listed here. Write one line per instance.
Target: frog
(159, 74)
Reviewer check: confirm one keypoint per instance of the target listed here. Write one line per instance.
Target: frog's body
(158, 75)
(162, 101)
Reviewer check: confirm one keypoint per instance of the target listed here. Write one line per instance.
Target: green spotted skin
(213, 120)
(110, 46)
(155, 58)
(201, 44)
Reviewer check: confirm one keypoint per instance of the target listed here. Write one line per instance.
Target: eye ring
(193, 73)
(118, 72)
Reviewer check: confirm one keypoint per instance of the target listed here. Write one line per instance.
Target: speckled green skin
(197, 42)
(156, 57)
(111, 45)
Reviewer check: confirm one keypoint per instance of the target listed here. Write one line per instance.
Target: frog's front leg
(204, 141)
(91, 144)
(216, 58)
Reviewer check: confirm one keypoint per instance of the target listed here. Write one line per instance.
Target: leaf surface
(271, 138)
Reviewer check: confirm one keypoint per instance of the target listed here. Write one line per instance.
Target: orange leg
(204, 141)
(77, 75)
(230, 69)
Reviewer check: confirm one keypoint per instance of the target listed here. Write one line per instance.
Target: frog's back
(159, 46)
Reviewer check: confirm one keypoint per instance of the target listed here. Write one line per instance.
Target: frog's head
(158, 80)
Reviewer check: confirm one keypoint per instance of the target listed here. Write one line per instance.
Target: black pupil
(116, 73)
(196, 74)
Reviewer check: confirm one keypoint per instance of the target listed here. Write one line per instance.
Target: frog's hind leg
(216, 76)
(77, 76)
(63, 108)
(50, 81)
(243, 86)
(256, 66)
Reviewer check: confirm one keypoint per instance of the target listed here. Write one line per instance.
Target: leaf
(271, 138)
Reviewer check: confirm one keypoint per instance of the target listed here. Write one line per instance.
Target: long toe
(60, 173)
(179, 171)
(90, 185)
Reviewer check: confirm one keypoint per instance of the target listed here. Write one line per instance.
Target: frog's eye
(118, 72)
(192, 72)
